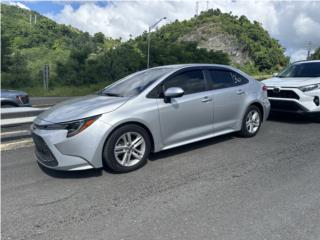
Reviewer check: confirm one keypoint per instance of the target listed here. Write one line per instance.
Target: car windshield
(135, 83)
(301, 70)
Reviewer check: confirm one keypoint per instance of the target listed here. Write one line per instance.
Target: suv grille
(286, 106)
(43, 152)
(282, 94)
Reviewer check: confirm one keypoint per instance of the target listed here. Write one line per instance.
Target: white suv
(296, 89)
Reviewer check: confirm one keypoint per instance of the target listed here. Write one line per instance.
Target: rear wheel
(251, 122)
(127, 148)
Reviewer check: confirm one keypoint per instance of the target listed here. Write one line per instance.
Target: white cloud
(293, 23)
(17, 4)
(122, 19)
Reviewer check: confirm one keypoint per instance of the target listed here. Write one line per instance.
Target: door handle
(240, 92)
(206, 99)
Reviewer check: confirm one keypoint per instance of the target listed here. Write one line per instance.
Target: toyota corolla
(149, 111)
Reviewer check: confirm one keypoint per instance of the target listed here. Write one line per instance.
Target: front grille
(43, 152)
(282, 94)
(24, 99)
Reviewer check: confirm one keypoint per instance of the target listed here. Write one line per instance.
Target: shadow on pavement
(190, 147)
(71, 174)
(290, 118)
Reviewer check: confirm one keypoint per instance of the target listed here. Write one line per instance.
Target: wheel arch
(134, 123)
(260, 107)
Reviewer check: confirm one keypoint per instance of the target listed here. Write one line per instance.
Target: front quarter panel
(139, 110)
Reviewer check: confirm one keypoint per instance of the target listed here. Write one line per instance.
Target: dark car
(13, 98)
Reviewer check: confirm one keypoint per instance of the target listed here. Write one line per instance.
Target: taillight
(264, 88)
(19, 99)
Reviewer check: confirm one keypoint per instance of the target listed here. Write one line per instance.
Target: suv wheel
(251, 122)
(127, 148)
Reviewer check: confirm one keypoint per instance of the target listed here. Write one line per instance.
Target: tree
(98, 37)
(316, 55)
(5, 53)
(18, 74)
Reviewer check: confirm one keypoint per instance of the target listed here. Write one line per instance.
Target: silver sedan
(149, 111)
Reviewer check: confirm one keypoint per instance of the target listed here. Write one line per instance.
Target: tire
(129, 155)
(251, 129)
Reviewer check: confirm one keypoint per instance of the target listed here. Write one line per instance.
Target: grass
(262, 77)
(64, 91)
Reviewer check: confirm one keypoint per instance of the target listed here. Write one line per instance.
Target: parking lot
(266, 187)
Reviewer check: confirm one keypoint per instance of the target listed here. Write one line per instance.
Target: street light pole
(149, 39)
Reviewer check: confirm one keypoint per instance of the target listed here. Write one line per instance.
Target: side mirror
(275, 74)
(173, 92)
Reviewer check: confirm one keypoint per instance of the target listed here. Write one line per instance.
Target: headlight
(309, 87)
(73, 127)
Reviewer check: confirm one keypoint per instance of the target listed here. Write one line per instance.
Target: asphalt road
(267, 187)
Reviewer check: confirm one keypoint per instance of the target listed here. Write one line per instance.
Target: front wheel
(251, 122)
(127, 148)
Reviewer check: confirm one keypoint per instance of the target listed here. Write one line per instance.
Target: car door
(229, 93)
(189, 116)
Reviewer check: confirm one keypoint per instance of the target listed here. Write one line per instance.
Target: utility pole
(46, 70)
(207, 5)
(309, 50)
(35, 19)
(197, 7)
(149, 39)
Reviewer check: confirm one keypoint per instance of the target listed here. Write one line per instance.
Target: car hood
(6, 93)
(79, 108)
(290, 82)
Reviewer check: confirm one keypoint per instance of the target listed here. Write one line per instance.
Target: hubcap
(253, 121)
(129, 149)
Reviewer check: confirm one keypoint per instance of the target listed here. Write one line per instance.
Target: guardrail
(15, 122)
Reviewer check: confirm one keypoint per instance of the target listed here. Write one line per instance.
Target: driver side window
(190, 82)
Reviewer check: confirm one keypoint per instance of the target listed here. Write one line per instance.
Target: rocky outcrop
(211, 37)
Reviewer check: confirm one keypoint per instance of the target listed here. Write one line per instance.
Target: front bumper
(293, 100)
(83, 151)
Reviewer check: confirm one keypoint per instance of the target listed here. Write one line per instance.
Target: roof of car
(177, 66)
(306, 61)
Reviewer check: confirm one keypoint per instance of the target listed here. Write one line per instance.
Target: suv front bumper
(294, 101)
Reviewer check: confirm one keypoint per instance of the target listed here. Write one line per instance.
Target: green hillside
(77, 59)
(26, 46)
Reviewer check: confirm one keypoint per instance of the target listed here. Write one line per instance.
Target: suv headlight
(73, 127)
(309, 87)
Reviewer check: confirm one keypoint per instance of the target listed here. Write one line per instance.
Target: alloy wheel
(253, 121)
(129, 149)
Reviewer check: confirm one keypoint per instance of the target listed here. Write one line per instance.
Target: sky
(296, 24)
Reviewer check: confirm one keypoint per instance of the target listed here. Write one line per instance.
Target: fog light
(316, 101)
